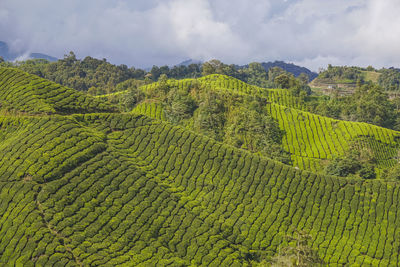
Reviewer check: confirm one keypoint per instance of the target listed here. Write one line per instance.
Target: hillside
(113, 189)
(309, 138)
(23, 92)
(134, 190)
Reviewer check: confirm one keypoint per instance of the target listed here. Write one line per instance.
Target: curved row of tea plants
(150, 109)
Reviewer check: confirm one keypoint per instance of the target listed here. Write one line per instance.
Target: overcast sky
(143, 33)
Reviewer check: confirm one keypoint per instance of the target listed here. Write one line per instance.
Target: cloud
(146, 32)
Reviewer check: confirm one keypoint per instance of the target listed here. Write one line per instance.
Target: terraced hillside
(28, 93)
(113, 189)
(309, 138)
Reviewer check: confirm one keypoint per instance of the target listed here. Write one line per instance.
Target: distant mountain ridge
(7, 55)
(290, 67)
(189, 62)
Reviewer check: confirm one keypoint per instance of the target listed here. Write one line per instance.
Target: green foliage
(298, 252)
(392, 173)
(298, 87)
(342, 74)
(179, 105)
(217, 67)
(253, 130)
(343, 167)
(356, 161)
(132, 94)
(82, 74)
(208, 106)
(256, 74)
(389, 79)
(210, 116)
(370, 104)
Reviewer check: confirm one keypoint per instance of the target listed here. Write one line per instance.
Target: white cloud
(147, 32)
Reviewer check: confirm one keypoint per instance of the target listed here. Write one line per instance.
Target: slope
(119, 189)
(23, 92)
(310, 139)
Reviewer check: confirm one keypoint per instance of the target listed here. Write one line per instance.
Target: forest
(208, 164)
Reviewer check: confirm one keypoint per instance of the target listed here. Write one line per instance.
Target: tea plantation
(309, 138)
(113, 189)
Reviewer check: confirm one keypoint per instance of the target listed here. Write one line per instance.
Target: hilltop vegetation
(390, 79)
(82, 184)
(101, 77)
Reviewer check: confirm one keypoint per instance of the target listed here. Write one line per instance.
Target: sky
(143, 33)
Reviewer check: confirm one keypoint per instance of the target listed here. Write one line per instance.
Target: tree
(252, 129)
(298, 252)
(215, 66)
(179, 105)
(303, 78)
(256, 74)
(342, 166)
(275, 72)
(70, 59)
(356, 162)
(210, 116)
(371, 104)
(163, 84)
(211, 67)
(393, 173)
(92, 91)
(133, 95)
(155, 73)
(283, 81)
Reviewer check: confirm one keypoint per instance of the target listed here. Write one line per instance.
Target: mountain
(121, 189)
(7, 55)
(189, 62)
(42, 56)
(5, 52)
(290, 67)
